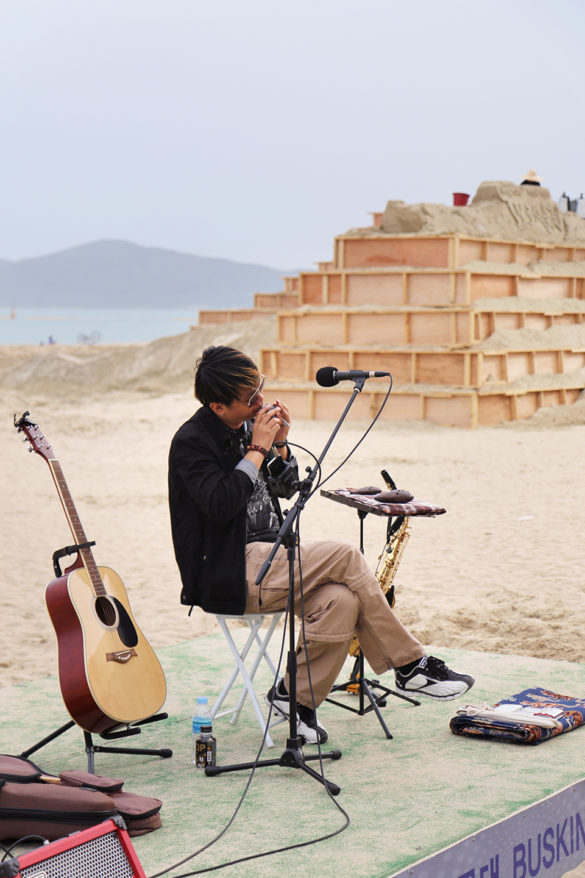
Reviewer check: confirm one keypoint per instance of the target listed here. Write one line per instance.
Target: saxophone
(397, 536)
(390, 558)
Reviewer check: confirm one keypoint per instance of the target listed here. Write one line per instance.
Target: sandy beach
(501, 571)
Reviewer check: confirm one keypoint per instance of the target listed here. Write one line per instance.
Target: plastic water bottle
(201, 717)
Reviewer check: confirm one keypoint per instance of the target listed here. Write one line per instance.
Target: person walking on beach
(228, 466)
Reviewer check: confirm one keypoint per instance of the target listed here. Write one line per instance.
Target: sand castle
(478, 312)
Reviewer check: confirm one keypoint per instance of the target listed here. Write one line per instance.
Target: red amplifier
(102, 851)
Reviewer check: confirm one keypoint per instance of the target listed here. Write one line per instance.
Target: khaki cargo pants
(341, 597)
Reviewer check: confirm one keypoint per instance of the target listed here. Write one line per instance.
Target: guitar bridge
(121, 655)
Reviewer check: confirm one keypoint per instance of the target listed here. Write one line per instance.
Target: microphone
(328, 376)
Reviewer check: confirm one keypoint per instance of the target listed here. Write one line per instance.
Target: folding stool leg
(236, 670)
(261, 654)
(247, 676)
(249, 686)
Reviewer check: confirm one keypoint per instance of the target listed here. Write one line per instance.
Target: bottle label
(200, 753)
(211, 750)
(205, 751)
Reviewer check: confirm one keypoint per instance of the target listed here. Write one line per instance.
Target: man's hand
(284, 416)
(266, 427)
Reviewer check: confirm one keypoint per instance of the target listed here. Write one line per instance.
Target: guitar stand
(91, 748)
(360, 685)
(121, 731)
(68, 550)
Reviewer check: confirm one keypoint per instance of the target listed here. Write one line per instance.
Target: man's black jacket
(207, 501)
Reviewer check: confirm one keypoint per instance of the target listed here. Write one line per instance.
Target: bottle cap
(202, 699)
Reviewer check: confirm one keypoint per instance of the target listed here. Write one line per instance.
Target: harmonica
(269, 408)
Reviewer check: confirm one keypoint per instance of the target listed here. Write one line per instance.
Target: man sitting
(228, 465)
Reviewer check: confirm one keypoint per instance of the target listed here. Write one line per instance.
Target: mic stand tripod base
(292, 757)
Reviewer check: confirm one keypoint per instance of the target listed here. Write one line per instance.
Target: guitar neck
(75, 526)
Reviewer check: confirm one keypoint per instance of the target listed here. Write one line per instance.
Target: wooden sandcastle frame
(428, 308)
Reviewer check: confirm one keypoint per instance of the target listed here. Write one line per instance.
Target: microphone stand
(292, 756)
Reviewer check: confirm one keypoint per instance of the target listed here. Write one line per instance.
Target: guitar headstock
(34, 436)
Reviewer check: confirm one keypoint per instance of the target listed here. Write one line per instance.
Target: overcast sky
(257, 130)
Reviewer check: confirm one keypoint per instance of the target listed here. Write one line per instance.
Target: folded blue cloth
(554, 715)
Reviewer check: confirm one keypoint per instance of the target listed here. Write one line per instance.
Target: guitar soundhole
(106, 612)
(126, 630)
(112, 613)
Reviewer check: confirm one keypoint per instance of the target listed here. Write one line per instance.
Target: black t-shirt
(262, 520)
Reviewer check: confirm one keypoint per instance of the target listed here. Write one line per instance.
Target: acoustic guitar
(108, 673)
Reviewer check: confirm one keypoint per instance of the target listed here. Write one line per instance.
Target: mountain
(110, 274)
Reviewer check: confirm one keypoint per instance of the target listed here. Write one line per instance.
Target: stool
(254, 622)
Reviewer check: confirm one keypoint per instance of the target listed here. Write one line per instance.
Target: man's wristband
(263, 451)
(280, 444)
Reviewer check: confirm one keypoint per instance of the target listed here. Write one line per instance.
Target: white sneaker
(307, 725)
(432, 677)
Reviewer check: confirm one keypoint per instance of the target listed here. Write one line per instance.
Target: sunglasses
(258, 391)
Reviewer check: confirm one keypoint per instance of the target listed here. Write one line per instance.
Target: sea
(41, 326)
